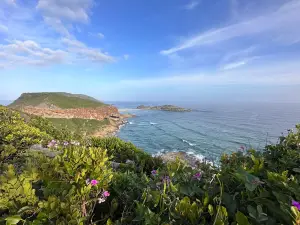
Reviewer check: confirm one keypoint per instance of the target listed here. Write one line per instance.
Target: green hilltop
(61, 100)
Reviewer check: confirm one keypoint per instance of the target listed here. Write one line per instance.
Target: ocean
(211, 129)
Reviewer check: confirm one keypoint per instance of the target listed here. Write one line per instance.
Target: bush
(16, 135)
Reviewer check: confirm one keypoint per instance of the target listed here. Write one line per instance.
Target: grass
(77, 125)
(59, 99)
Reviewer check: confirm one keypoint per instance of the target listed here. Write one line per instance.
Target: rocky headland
(171, 108)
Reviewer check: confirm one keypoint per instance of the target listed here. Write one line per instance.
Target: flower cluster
(166, 179)
(103, 197)
(53, 144)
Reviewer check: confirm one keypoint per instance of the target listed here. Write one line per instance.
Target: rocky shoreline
(191, 160)
(116, 122)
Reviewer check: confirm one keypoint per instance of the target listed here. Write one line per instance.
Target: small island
(171, 108)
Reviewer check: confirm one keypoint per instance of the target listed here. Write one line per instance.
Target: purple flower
(242, 148)
(154, 172)
(166, 179)
(94, 182)
(197, 176)
(296, 204)
(106, 194)
(66, 143)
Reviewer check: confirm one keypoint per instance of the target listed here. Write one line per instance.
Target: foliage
(79, 126)
(16, 135)
(80, 186)
(58, 99)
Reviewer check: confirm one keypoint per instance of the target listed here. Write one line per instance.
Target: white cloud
(71, 10)
(100, 35)
(126, 56)
(282, 22)
(191, 5)
(30, 53)
(33, 54)
(86, 53)
(59, 13)
(57, 25)
(3, 29)
(234, 65)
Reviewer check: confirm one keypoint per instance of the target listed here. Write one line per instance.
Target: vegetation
(80, 126)
(58, 99)
(83, 185)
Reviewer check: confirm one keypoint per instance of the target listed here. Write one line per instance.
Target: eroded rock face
(99, 113)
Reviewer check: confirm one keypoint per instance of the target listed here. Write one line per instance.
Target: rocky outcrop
(171, 108)
(99, 113)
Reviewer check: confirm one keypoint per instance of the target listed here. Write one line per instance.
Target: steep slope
(56, 100)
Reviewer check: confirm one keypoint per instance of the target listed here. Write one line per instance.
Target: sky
(137, 50)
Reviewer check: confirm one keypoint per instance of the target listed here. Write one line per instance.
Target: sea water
(210, 129)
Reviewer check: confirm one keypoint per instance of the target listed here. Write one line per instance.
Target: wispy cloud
(100, 35)
(282, 22)
(191, 5)
(10, 2)
(283, 73)
(3, 29)
(126, 56)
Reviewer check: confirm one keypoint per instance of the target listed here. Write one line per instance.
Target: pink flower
(197, 176)
(94, 182)
(106, 194)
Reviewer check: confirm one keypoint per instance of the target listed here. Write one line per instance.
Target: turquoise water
(209, 130)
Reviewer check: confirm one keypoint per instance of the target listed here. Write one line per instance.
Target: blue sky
(200, 50)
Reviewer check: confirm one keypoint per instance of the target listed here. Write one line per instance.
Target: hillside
(56, 100)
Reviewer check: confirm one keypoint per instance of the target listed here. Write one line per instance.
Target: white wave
(131, 123)
(153, 123)
(159, 153)
(189, 143)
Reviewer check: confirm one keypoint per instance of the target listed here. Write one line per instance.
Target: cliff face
(99, 113)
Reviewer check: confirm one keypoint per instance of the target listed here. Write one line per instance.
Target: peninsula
(78, 113)
(171, 108)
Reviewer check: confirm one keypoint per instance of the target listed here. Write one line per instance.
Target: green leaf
(297, 170)
(211, 210)
(12, 220)
(241, 219)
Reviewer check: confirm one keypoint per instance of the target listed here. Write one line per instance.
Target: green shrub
(16, 135)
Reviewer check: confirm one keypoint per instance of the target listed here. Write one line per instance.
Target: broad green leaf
(241, 219)
(12, 220)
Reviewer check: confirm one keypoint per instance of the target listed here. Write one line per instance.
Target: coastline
(115, 125)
